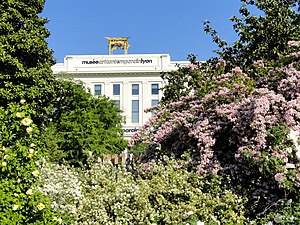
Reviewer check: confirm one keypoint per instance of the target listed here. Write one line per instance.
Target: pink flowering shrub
(238, 127)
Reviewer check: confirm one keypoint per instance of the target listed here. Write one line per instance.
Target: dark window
(97, 89)
(135, 89)
(116, 89)
(154, 89)
(154, 102)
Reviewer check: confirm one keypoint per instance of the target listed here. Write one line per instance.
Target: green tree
(264, 29)
(190, 79)
(83, 123)
(25, 59)
(263, 35)
(180, 82)
(26, 94)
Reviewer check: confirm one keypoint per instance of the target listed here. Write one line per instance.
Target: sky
(174, 27)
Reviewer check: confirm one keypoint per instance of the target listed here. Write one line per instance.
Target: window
(97, 89)
(135, 111)
(154, 89)
(135, 89)
(118, 104)
(154, 102)
(116, 89)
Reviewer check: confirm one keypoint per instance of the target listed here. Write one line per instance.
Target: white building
(132, 80)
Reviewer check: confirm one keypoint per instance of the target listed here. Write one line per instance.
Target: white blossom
(26, 121)
(298, 155)
(293, 135)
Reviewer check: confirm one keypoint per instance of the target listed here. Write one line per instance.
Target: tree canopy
(263, 34)
(26, 91)
(82, 123)
(266, 30)
(25, 59)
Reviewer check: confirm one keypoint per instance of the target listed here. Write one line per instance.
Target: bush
(64, 186)
(239, 128)
(20, 150)
(154, 193)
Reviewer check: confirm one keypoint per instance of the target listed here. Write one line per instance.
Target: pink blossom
(259, 63)
(293, 43)
(231, 118)
(221, 63)
(236, 70)
(192, 66)
(278, 177)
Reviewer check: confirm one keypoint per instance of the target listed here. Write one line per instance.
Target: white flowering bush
(64, 186)
(155, 193)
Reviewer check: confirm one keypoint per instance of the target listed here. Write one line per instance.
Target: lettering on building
(117, 61)
(130, 130)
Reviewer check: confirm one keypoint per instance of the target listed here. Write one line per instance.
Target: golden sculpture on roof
(120, 43)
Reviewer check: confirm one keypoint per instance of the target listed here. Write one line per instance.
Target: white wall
(106, 70)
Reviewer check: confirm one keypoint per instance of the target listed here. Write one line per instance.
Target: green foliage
(284, 211)
(263, 41)
(235, 115)
(20, 150)
(26, 94)
(82, 123)
(180, 82)
(25, 59)
(262, 35)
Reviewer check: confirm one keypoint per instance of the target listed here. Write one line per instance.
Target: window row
(98, 89)
(135, 109)
(135, 89)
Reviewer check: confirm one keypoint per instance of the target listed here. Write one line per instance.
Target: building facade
(132, 80)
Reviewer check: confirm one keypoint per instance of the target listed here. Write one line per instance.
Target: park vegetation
(222, 147)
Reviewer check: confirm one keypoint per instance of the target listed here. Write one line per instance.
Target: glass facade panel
(135, 89)
(97, 89)
(116, 89)
(154, 89)
(135, 111)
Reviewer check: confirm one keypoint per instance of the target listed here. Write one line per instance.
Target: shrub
(63, 185)
(240, 129)
(20, 150)
(285, 211)
(162, 192)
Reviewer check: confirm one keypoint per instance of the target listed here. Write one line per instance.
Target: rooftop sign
(118, 61)
(110, 63)
(114, 63)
